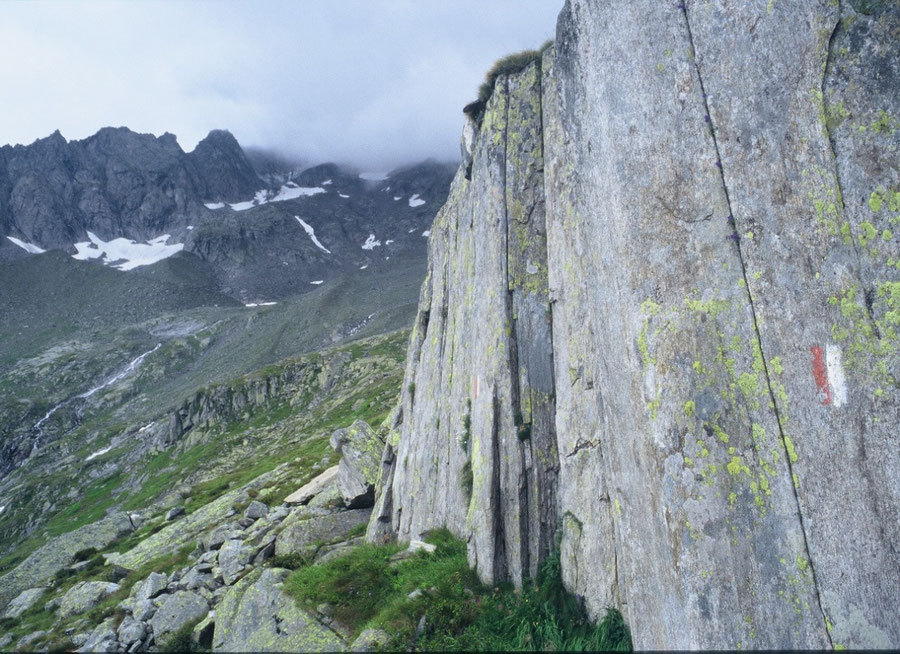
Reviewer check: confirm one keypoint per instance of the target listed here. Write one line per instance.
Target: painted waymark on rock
(829, 375)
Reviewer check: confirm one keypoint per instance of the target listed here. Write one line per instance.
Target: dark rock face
(263, 238)
(661, 315)
(223, 168)
(115, 183)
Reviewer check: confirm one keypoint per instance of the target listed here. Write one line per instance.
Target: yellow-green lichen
(689, 408)
(791, 451)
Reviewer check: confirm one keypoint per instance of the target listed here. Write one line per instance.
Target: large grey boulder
(305, 536)
(256, 615)
(150, 587)
(23, 601)
(175, 611)
(256, 510)
(312, 488)
(84, 596)
(131, 631)
(360, 450)
(233, 557)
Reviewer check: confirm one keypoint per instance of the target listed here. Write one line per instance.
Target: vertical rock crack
(756, 330)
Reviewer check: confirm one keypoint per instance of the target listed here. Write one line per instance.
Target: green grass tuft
(367, 590)
(508, 65)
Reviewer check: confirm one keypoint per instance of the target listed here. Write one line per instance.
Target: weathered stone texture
(661, 318)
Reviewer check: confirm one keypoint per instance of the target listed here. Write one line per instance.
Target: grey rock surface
(233, 557)
(44, 562)
(150, 587)
(84, 596)
(312, 488)
(23, 601)
(256, 510)
(130, 630)
(256, 615)
(303, 536)
(662, 316)
(175, 611)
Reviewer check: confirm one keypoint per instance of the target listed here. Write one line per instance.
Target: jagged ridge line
(756, 329)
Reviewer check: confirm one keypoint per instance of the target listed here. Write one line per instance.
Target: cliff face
(661, 319)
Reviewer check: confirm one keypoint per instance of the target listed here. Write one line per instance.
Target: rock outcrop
(660, 319)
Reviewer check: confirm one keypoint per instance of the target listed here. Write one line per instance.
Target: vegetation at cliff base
(435, 602)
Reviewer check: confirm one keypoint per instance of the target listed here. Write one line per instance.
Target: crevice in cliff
(500, 572)
(754, 317)
(827, 113)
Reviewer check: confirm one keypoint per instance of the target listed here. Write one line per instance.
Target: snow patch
(416, 201)
(28, 247)
(373, 177)
(312, 234)
(94, 455)
(145, 427)
(190, 227)
(398, 197)
(125, 254)
(389, 241)
(214, 205)
(2, 509)
(343, 196)
(289, 191)
(317, 282)
(364, 267)
(411, 231)
(426, 233)
(260, 304)
(371, 243)
(326, 182)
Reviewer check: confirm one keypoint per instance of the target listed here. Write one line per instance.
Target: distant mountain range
(262, 227)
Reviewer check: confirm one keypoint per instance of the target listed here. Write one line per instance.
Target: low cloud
(375, 84)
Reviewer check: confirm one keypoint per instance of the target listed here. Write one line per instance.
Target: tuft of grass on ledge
(367, 590)
(508, 65)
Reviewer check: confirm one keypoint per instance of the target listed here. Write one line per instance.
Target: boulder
(84, 596)
(195, 579)
(213, 540)
(143, 610)
(304, 536)
(319, 483)
(175, 611)
(256, 615)
(360, 450)
(131, 631)
(101, 639)
(256, 510)
(23, 601)
(233, 556)
(152, 586)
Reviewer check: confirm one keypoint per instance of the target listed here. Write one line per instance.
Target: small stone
(171, 514)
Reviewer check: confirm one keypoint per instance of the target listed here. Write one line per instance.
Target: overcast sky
(376, 82)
